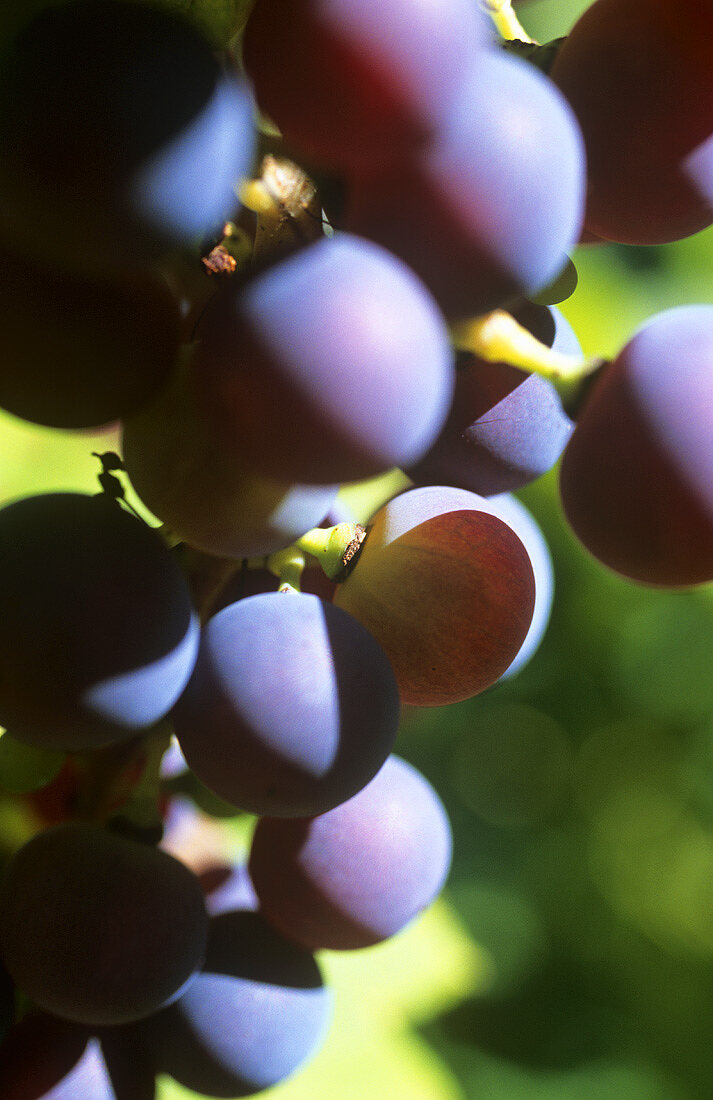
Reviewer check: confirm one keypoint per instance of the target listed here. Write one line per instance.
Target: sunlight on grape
(380, 994)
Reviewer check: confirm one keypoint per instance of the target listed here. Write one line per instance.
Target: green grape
(25, 768)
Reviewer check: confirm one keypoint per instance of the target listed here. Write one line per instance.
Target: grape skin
(275, 718)
(332, 365)
(159, 135)
(640, 80)
(257, 1011)
(93, 352)
(358, 874)
(505, 427)
(45, 1058)
(193, 482)
(485, 212)
(517, 516)
(105, 622)
(448, 590)
(99, 929)
(636, 476)
(355, 81)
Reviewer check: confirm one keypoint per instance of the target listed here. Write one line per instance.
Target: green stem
(288, 566)
(498, 338)
(333, 547)
(506, 21)
(140, 812)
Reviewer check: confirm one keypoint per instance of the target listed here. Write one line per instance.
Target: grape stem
(284, 200)
(333, 547)
(288, 566)
(141, 810)
(499, 338)
(506, 21)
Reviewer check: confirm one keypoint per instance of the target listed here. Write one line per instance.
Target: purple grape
(332, 365)
(485, 213)
(358, 874)
(356, 81)
(122, 133)
(255, 1013)
(639, 80)
(505, 427)
(97, 612)
(45, 1058)
(292, 708)
(99, 929)
(637, 475)
(94, 351)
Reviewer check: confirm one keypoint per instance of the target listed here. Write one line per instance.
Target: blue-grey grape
(122, 132)
(257, 1011)
(332, 365)
(292, 707)
(99, 929)
(96, 610)
(359, 873)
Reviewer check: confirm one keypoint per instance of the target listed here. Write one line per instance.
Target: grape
(355, 81)
(95, 349)
(192, 481)
(486, 212)
(505, 427)
(25, 768)
(640, 80)
(637, 475)
(122, 133)
(96, 611)
(256, 1012)
(448, 590)
(332, 365)
(97, 928)
(292, 707)
(228, 889)
(358, 874)
(527, 530)
(49, 1059)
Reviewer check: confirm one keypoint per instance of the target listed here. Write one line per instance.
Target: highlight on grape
(276, 251)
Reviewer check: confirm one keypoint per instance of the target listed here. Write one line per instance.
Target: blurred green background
(571, 956)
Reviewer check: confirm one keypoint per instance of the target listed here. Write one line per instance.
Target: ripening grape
(45, 1058)
(485, 212)
(332, 365)
(122, 133)
(292, 706)
(97, 612)
(78, 352)
(447, 588)
(637, 475)
(639, 76)
(99, 929)
(355, 81)
(194, 483)
(505, 427)
(358, 874)
(255, 1013)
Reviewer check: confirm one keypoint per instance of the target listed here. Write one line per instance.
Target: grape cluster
(364, 280)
